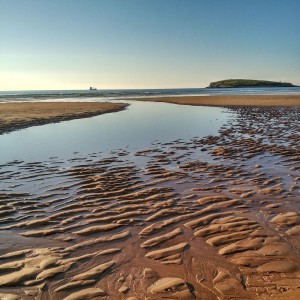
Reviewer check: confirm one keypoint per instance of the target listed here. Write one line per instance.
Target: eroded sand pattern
(210, 218)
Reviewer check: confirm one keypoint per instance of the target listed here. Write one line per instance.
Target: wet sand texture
(231, 100)
(14, 116)
(205, 218)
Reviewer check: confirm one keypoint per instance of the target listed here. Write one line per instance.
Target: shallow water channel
(141, 124)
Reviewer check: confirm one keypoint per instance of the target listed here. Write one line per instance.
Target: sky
(132, 44)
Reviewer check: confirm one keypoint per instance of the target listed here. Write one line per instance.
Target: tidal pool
(141, 124)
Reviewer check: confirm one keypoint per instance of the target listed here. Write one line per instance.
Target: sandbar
(15, 116)
(229, 100)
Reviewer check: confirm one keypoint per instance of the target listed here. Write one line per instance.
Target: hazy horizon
(129, 89)
(72, 45)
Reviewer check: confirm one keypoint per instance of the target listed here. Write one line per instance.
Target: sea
(36, 95)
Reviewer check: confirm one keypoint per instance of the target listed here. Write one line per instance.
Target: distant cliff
(239, 83)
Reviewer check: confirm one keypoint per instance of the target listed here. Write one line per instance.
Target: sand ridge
(229, 100)
(15, 116)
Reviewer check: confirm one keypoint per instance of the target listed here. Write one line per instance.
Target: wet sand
(14, 116)
(208, 218)
(225, 101)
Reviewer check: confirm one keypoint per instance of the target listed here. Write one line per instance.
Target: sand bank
(14, 116)
(236, 100)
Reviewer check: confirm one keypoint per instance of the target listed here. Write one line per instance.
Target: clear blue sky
(72, 44)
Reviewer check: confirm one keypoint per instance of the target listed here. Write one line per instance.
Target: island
(242, 83)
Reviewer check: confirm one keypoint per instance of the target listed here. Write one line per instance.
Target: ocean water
(6, 96)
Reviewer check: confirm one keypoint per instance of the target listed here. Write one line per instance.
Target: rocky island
(241, 83)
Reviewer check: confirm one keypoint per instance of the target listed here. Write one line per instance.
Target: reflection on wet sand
(211, 218)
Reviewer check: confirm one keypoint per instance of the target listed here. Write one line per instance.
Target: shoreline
(16, 116)
(229, 100)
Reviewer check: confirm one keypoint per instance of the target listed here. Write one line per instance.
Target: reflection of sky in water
(136, 127)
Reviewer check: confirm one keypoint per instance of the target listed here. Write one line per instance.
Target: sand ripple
(210, 218)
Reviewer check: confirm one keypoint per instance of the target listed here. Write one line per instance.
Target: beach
(14, 116)
(150, 150)
(214, 217)
(230, 100)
